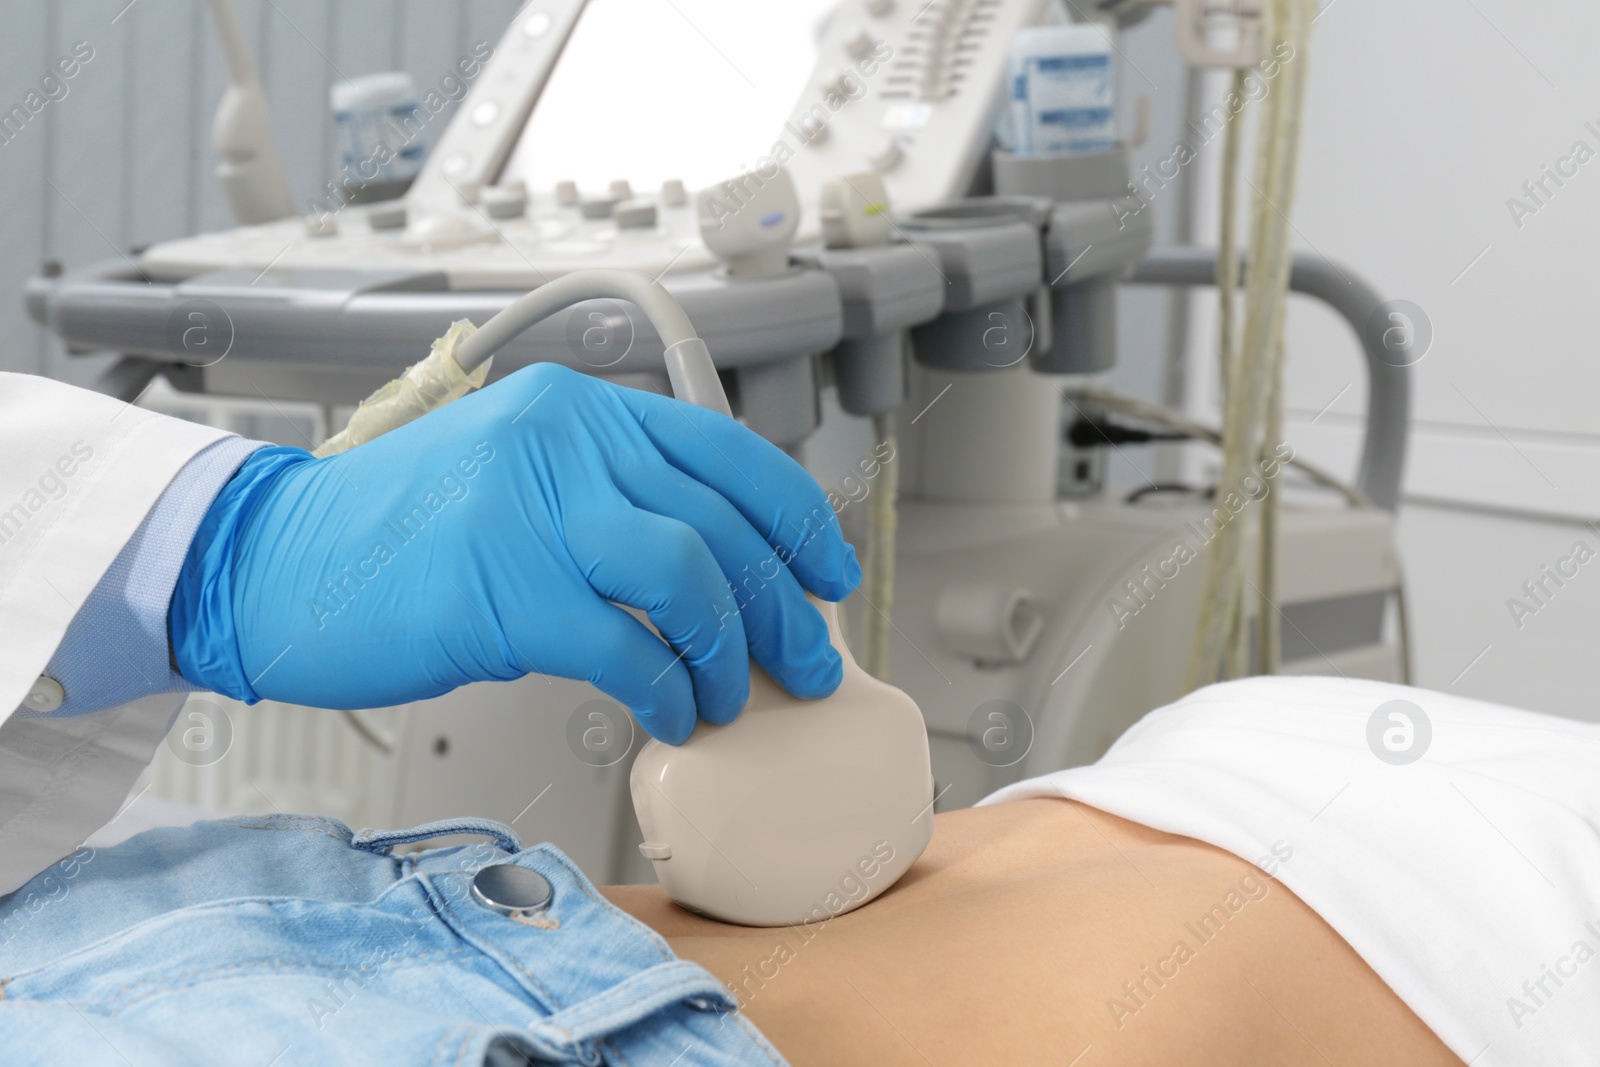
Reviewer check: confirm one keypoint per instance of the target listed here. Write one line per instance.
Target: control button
(655, 852)
(879, 8)
(457, 163)
(886, 158)
(621, 190)
(448, 231)
(860, 44)
(470, 190)
(509, 889)
(485, 113)
(387, 216)
(322, 225)
(46, 695)
(597, 207)
(673, 194)
(809, 130)
(567, 193)
(537, 24)
(505, 201)
(635, 214)
(845, 83)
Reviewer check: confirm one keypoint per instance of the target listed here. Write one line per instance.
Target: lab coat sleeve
(82, 474)
(116, 650)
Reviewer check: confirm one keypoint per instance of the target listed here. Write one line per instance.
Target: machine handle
(1383, 453)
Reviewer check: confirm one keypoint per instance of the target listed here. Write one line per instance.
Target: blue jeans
(284, 940)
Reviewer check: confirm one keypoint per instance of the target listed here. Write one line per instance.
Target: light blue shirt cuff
(116, 648)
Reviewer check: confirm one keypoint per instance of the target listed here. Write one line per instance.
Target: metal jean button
(510, 890)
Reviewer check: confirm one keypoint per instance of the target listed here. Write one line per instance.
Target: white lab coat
(63, 778)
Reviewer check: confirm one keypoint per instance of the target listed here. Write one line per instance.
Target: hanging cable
(1222, 639)
(1269, 629)
(1227, 291)
(1228, 243)
(878, 572)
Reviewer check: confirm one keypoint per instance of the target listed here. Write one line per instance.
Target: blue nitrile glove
(484, 541)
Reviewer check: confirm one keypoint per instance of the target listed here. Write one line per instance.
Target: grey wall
(124, 158)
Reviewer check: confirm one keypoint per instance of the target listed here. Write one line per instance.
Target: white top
(62, 777)
(1468, 879)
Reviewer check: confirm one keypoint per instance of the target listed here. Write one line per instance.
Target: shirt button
(509, 889)
(46, 695)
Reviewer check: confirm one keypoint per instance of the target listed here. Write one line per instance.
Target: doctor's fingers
(773, 492)
(597, 642)
(662, 567)
(787, 636)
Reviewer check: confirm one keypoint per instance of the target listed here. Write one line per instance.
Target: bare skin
(1011, 939)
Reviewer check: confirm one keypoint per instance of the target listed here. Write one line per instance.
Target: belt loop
(636, 997)
(383, 842)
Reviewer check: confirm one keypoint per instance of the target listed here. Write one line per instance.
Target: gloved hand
(484, 541)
